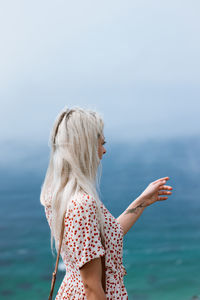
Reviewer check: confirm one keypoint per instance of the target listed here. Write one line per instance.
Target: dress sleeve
(82, 229)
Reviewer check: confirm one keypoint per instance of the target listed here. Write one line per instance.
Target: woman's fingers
(161, 179)
(162, 198)
(165, 187)
(164, 193)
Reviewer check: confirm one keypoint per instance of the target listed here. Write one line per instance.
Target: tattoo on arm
(134, 210)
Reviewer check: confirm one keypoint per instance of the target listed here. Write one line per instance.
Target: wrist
(140, 201)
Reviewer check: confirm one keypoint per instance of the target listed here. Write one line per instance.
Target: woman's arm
(131, 214)
(150, 195)
(91, 274)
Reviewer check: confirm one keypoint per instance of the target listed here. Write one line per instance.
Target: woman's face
(101, 149)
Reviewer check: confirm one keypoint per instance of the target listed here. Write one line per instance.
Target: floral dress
(82, 243)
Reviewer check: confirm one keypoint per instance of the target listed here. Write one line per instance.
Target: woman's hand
(151, 194)
(155, 190)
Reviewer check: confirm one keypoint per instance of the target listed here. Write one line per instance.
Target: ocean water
(161, 250)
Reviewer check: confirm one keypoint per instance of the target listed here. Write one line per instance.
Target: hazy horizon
(137, 63)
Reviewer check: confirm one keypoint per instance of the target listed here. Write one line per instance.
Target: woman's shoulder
(80, 201)
(83, 200)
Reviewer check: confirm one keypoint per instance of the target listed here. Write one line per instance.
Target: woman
(91, 233)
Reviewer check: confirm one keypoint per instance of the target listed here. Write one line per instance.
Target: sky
(135, 62)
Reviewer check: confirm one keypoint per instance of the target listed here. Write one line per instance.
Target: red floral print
(82, 243)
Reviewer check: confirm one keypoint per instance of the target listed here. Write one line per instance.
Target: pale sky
(136, 62)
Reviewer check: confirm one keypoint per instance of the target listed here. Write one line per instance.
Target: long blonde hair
(74, 164)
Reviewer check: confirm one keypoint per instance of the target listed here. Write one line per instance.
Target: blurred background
(136, 63)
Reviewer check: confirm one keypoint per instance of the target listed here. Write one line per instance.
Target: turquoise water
(161, 251)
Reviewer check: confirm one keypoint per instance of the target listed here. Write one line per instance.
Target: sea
(161, 251)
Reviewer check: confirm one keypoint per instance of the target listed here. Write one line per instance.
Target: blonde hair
(74, 164)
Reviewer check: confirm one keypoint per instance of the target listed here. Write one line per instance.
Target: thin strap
(57, 260)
